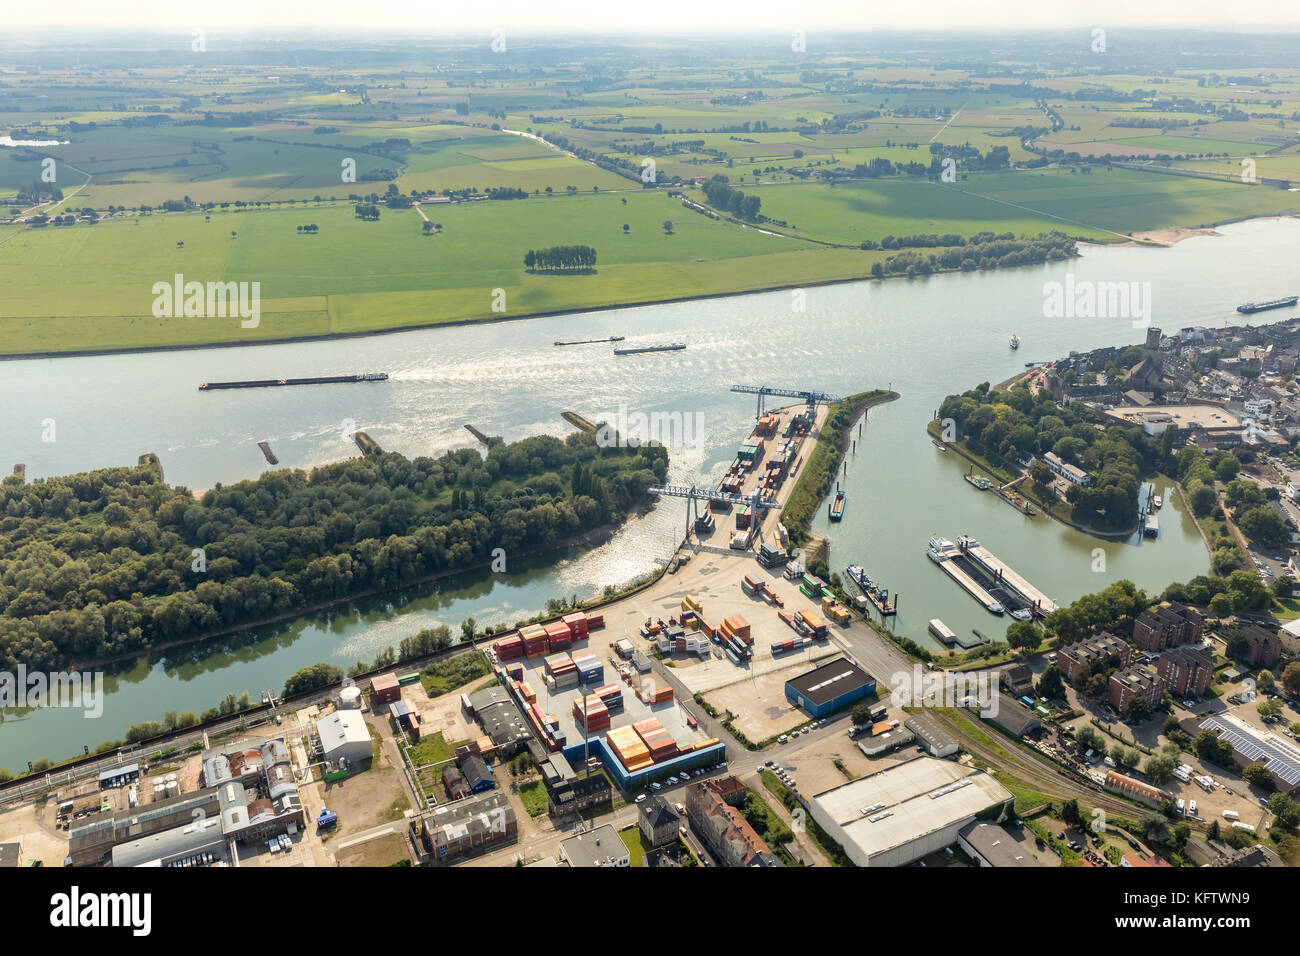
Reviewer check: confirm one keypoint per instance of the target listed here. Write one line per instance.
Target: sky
(659, 16)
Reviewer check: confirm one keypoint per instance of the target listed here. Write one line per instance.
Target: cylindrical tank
(350, 698)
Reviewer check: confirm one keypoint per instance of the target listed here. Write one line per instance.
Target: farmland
(166, 170)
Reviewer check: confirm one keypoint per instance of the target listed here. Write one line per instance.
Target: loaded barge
(313, 380)
(638, 349)
(612, 338)
(1250, 308)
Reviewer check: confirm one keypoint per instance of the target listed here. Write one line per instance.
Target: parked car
(656, 786)
(640, 797)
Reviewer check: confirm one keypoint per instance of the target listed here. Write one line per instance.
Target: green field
(259, 154)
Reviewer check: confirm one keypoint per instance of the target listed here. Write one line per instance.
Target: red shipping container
(595, 621)
(577, 624)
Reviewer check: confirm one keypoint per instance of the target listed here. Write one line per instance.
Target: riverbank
(1054, 509)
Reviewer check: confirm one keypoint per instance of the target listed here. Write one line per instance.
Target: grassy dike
(817, 476)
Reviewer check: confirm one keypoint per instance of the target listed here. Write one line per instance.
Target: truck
(327, 819)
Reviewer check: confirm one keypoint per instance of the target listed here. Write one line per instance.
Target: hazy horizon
(665, 17)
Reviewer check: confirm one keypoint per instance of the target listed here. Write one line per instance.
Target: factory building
(830, 687)
(908, 811)
(345, 739)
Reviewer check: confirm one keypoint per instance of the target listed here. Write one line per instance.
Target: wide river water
(925, 338)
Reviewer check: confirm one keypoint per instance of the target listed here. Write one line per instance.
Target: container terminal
(313, 380)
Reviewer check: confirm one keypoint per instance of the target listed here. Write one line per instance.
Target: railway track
(1042, 775)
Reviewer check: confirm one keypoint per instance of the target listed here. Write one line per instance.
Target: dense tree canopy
(113, 562)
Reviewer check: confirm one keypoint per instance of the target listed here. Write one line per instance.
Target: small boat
(1020, 614)
(979, 481)
(1156, 503)
(858, 576)
(1015, 341)
(837, 507)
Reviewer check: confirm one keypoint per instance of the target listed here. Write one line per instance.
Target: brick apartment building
(1187, 671)
(1098, 648)
(711, 808)
(1140, 681)
(1169, 625)
(1251, 644)
(467, 827)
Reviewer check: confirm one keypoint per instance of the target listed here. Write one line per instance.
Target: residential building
(723, 827)
(1188, 671)
(1138, 681)
(1169, 625)
(1252, 644)
(1095, 653)
(1071, 473)
(658, 821)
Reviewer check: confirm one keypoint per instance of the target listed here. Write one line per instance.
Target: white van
(1181, 810)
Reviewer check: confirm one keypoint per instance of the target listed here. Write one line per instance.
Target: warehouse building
(1136, 789)
(931, 735)
(992, 844)
(830, 687)
(344, 736)
(1014, 717)
(908, 811)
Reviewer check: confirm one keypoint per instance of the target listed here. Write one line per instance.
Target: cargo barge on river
(313, 380)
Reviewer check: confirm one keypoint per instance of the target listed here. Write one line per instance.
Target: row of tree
(556, 258)
(722, 196)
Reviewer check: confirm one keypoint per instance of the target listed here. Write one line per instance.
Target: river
(924, 338)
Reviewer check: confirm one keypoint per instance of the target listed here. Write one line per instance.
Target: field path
(950, 119)
(1039, 212)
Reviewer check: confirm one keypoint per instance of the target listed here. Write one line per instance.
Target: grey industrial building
(931, 735)
(992, 844)
(908, 811)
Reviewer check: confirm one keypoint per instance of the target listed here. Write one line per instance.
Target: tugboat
(858, 576)
(1015, 341)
